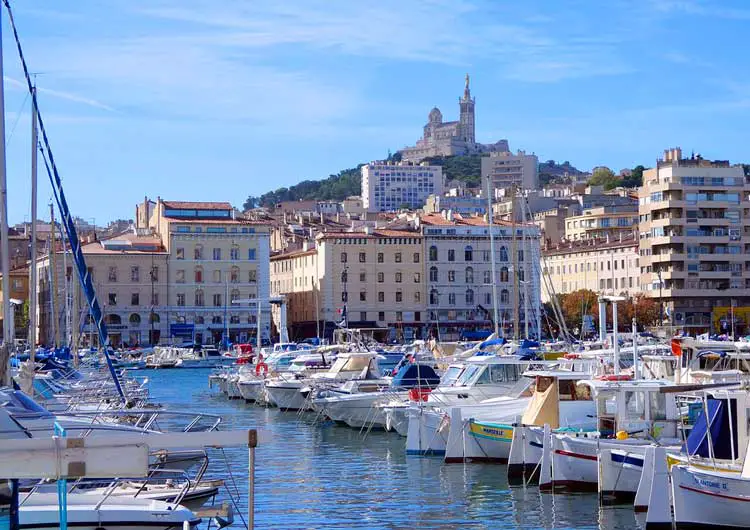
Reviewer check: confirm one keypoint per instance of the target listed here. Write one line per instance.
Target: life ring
(572, 356)
(613, 377)
(259, 366)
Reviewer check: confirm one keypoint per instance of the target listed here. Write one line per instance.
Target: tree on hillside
(635, 179)
(604, 177)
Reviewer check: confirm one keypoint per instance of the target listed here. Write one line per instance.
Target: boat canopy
(412, 375)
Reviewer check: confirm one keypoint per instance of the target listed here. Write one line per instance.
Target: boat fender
(621, 435)
(261, 366)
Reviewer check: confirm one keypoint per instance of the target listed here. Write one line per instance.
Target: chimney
(305, 245)
(667, 155)
(368, 230)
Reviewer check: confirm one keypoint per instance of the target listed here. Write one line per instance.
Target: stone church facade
(451, 137)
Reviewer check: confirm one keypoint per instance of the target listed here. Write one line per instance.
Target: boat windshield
(355, 363)
(451, 375)
(468, 375)
(17, 402)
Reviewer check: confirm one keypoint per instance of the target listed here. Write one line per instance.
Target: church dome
(436, 116)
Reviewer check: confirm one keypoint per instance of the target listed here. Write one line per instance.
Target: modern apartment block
(607, 266)
(387, 187)
(602, 222)
(507, 169)
(694, 237)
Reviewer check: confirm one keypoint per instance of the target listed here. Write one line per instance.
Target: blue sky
(215, 100)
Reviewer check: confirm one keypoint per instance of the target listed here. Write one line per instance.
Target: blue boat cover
(499, 341)
(721, 436)
(416, 375)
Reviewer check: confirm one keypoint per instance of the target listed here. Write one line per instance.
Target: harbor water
(320, 475)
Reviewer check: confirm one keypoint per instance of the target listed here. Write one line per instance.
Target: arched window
(198, 252)
(433, 297)
(433, 253)
(469, 297)
(469, 275)
(504, 296)
(433, 274)
(504, 274)
(503, 254)
(468, 253)
(216, 319)
(199, 319)
(155, 318)
(234, 319)
(181, 320)
(135, 319)
(199, 275)
(113, 319)
(234, 275)
(200, 299)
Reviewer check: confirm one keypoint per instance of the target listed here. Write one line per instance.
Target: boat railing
(147, 419)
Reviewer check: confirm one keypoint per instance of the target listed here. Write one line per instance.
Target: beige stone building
(215, 259)
(694, 239)
(295, 275)
(605, 266)
(602, 222)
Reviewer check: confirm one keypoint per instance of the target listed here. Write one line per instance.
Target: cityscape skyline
(159, 96)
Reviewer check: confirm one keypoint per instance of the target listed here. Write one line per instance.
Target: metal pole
(251, 445)
(492, 260)
(32, 268)
(53, 278)
(4, 240)
(226, 310)
(636, 364)
(614, 337)
(259, 343)
(602, 320)
(514, 260)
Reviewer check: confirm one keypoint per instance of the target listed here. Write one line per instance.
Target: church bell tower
(467, 114)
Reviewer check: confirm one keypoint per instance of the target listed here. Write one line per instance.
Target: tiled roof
(293, 254)
(590, 245)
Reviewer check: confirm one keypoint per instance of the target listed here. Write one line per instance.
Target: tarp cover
(697, 441)
(412, 375)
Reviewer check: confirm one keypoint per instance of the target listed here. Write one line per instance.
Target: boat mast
(492, 259)
(4, 242)
(32, 267)
(514, 251)
(53, 277)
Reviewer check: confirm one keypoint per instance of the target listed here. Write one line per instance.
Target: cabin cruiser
(205, 357)
(165, 357)
(252, 376)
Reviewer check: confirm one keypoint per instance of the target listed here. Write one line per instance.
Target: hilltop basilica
(451, 137)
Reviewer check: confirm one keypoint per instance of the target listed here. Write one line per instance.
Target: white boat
(91, 512)
(206, 357)
(252, 376)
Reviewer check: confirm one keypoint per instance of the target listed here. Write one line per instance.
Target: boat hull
(708, 499)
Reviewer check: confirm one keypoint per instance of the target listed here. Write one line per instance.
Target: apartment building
(129, 275)
(217, 270)
(459, 280)
(608, 266)
(694, 240)
(507, 169)
(390, 186)
(295, 275)
(19, 293)
(602, 222)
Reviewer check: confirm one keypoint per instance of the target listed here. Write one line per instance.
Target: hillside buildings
(452, 137)
(694, 240)
(506, 170)
(392, 186)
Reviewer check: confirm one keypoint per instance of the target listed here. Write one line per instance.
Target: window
(181, 299)
(451, 298)
(234, 252)
(451, 276)
(469, 275)
(399, 295)
(217, 276)
(433, 274)
(234, 275)
(343, 257)
(417, 316)
(486, 255)
(216, 319)
(217, 254)
(154, 274)
(199, 319)
(135, 319)
(200, 299)
(252, 276)
(520, 255)
(488, 298)
(417, 297)
(344, 277)
(417, 277)
(234, 319)
(503, 254)
(344, 296)
(381, 296)
(381, 277)
(155, 299)
(362, 316)
(504, 296)
(363, 296)
(399, 316)
(521, 277)
(468, 254)
(487, 277)
(135, 274)
(416, 257)
(217, 300)
(433, 297)
(180, 253)
(362, 276)
(397, 257)
(135, 299)
(451, 255)
(433, 253)
(112, 275)
(251, 254)
(381, 258)
(234, 295)
(198, 252)
(199, 275)
(180, 276)
(381, 316)
(398, 277)
(362, 257)
(469, 297)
